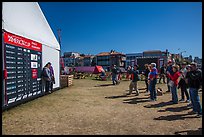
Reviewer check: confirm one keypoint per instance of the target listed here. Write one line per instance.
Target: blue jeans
(114, 79)
(152, 85)
(174, 94)
(195, 100)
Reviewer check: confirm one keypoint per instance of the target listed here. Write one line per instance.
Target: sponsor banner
(12, 39)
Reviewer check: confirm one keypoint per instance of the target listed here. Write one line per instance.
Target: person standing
(114, 75)
(170, 70)
(46, 77)
(162, 73)
(52, 76)
(194, 81)
(174, 78)
(182, 84)
(145, 73)
(134, 78)
(152, 80)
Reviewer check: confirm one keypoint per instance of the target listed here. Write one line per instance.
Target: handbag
(171, 83)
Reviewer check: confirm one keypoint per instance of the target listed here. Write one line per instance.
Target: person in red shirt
(174, 77)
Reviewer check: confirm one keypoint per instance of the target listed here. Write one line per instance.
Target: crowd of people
(187, 78)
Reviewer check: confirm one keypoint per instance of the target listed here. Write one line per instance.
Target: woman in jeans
(175, 78)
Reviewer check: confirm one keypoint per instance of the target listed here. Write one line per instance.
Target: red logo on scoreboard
(34, 73)
(22, 42)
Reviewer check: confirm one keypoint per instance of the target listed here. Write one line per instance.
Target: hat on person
(188, 66)
(153, 64)
(184, 63)
(193, 63)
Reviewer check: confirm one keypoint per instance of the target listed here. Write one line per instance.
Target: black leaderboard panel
(22, 66)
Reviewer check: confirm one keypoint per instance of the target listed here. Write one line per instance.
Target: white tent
(26, 19)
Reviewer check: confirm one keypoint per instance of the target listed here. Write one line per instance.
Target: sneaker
(189, 105)
(192, 112)
(187, 101)
(50, 92)
(181, 100)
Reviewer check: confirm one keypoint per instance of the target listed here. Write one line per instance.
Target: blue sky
(127, 27)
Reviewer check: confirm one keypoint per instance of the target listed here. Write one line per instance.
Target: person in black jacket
(194, 80)
(145, 73)
(46, 78)
(134, 77)
(182, 84)
(162, 73)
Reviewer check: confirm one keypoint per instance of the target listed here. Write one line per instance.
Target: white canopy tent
(26, 19)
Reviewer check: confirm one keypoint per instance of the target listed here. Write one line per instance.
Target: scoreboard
(22, 69)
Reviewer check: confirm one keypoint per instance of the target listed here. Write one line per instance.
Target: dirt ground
(93, 107)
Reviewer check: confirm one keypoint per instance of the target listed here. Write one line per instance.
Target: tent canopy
(27, 20)
(98, 69)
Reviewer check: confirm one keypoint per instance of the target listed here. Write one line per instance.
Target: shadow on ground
(176, 109)
(176, 117)
(118, 96)
(161, 104)
(104, 85)
(190, 132)
(136, 100)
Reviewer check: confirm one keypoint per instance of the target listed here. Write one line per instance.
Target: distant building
(69, 61)
(88, 60)
(71, 58)
(106, 59)
(163, 56)
(69, 54)
(152, 53)
(79, 61)
(131, 58)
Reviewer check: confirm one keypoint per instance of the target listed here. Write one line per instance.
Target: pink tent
(88, 69)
